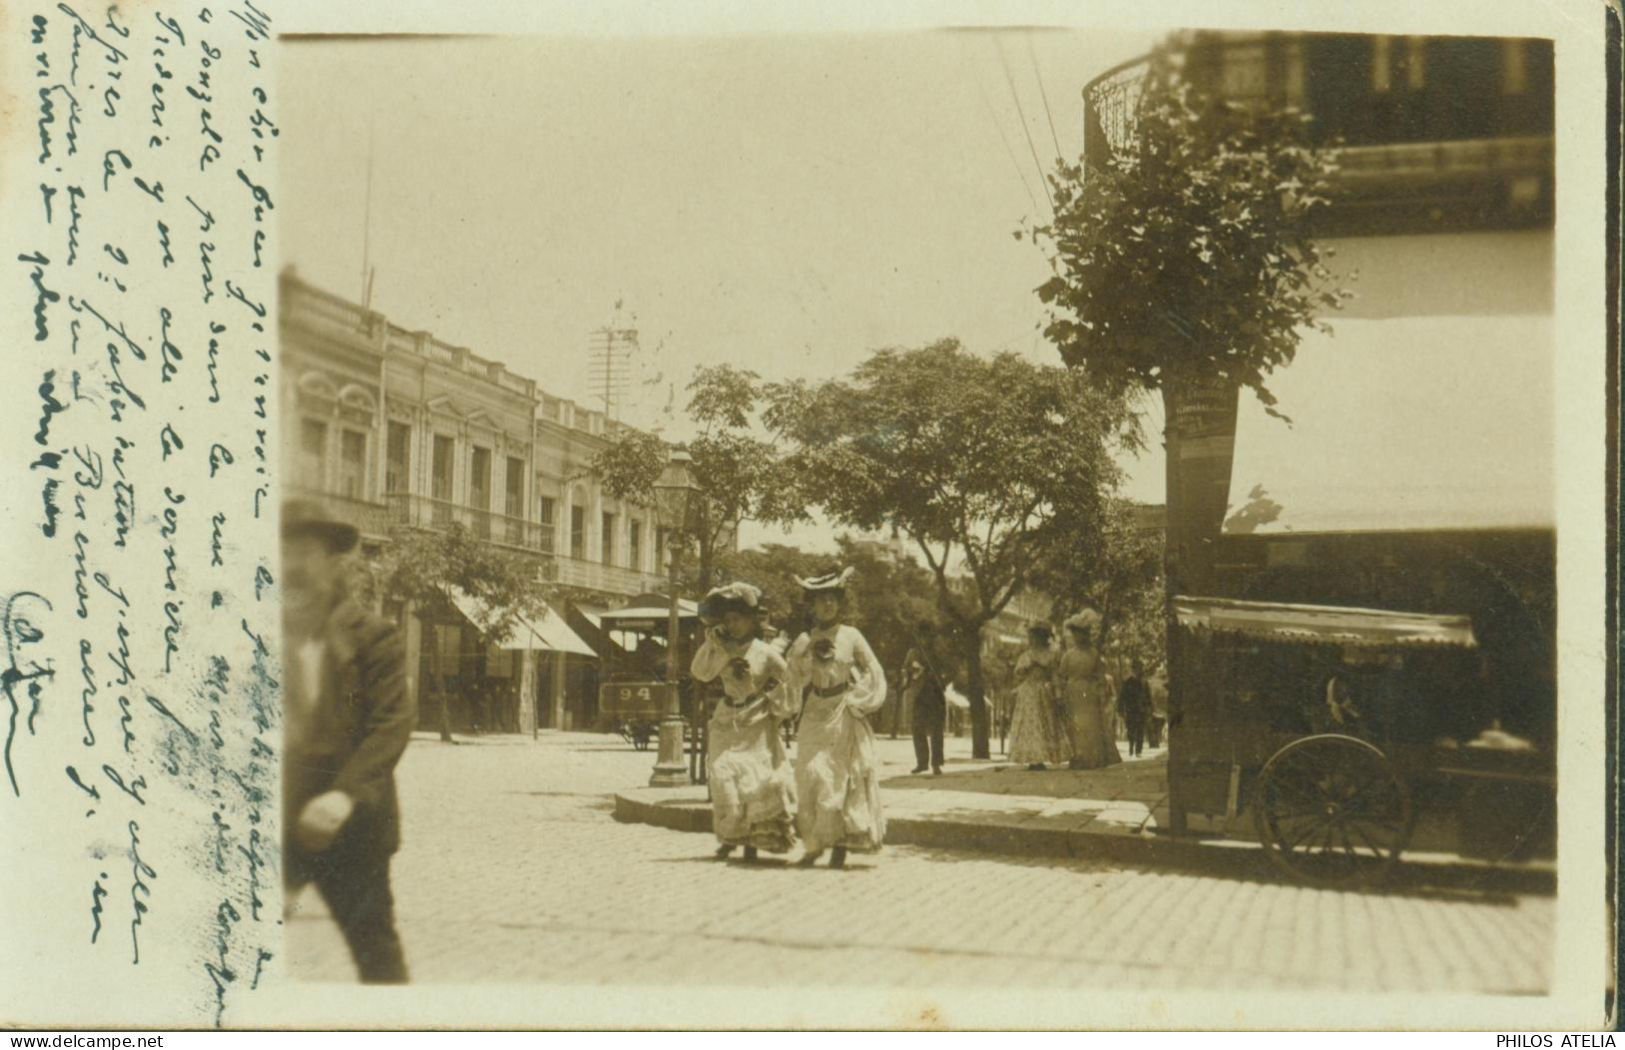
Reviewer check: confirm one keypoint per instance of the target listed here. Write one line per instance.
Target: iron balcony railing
(370, 517)
(611, 579)
(1503, 180)
(1110, 107)
(503, 529)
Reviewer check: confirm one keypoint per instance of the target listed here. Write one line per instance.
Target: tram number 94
(643, 696)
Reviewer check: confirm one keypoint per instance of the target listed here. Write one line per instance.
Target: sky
(787, 203)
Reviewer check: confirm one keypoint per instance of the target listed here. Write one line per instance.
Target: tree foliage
(424, 569)
(982, 462)
(1116, 570)
(1187, 257)
(889, 597)
(630, 465)
(733, 465)
(773, 567)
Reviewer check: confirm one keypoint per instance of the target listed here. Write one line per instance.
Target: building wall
(345, 370)
(1443, 204)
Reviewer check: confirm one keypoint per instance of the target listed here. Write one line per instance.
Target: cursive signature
(20, 633)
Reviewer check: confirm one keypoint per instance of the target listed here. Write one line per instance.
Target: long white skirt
(837, 779)
(753, 800)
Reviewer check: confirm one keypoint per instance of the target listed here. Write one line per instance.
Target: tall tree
(980, 461)
(1185, 264)
(423, 569)
(733, 466)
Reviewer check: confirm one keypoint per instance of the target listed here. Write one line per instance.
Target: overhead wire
(993, 118)
(1032, 53)
(1025, 130)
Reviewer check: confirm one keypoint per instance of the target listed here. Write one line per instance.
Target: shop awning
(547, 633)
(1323, 624)
(1403, 424)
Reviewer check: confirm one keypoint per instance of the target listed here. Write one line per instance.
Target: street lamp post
(674, 491)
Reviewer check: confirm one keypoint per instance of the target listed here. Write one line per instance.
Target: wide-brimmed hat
(829, 583)
(735, 597)
(309, 517)
(1086, 621)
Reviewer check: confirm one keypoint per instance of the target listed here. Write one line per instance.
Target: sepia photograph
(574, 517)
(994, 508)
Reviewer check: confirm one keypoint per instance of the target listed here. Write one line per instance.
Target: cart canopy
(1322, 624)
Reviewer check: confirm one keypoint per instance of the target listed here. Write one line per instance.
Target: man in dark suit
(1134, 705)
(930, 713)
(347, 719)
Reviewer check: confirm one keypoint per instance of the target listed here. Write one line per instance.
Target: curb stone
(1223, 858)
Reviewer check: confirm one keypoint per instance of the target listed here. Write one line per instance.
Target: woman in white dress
(840, 684)
(1088, 696)
(1038, 732)
(752, 789)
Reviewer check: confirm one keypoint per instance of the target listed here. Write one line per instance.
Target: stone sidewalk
(511, 871)
(1117, 814)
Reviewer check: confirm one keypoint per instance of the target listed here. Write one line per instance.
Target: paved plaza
(513, 869)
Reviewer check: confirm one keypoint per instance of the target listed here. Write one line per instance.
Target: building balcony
(371, 518)
(1442, 154)
(501, 529)
(610, 579)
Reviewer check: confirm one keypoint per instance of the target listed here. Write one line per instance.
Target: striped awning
(1323, 624)
(547, 632)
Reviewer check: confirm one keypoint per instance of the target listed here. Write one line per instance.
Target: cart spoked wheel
(1332, 811)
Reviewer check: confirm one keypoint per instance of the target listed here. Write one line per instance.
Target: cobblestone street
(513, 870)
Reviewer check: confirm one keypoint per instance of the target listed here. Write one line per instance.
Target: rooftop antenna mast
(610, 351)
(366, 234)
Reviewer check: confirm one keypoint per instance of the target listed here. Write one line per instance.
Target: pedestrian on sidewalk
(1157, 689)
(346, 721)
(1089, 695)
(930, 707)
(1134, 705)
(840, 685)
(1038, 733)
(752, 789)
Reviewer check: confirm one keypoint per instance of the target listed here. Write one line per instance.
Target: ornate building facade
(394, 427)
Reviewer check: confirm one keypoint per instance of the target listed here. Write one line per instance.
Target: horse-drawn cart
(1343, 730)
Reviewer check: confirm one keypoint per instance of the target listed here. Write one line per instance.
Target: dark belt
(834, 690)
